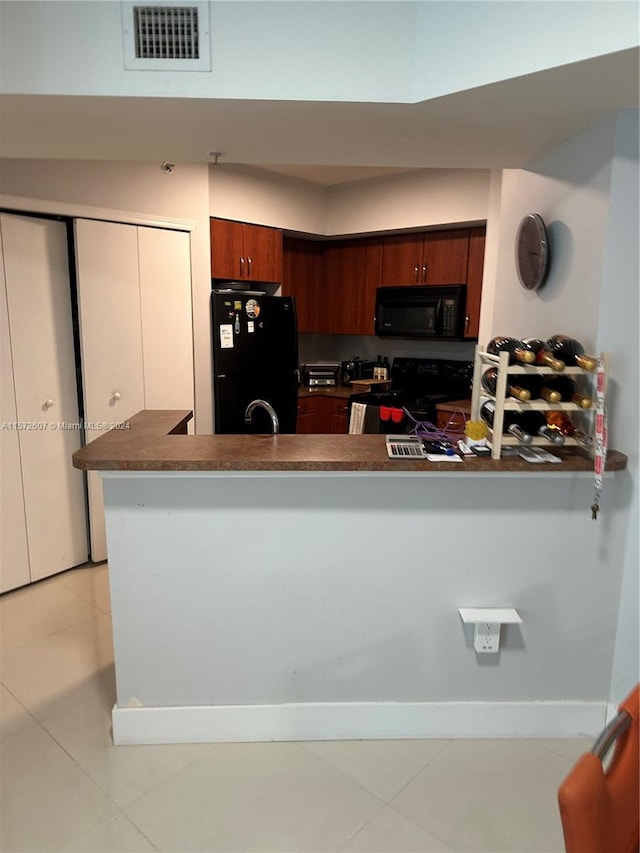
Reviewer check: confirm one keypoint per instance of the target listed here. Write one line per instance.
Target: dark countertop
(343, 392)
(156, 440)
(455, 406)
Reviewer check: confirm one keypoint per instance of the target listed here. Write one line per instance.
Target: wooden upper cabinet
(432, 257)
(301, 277)
(401, 259)
(352, 275)
(245, 252)
(475, 269)
(445, 257)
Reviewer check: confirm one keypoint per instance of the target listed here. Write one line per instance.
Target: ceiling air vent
(172, 36)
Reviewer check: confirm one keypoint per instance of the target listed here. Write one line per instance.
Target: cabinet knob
(467, 320)
(116, 396)
(249, 259)
(48, 403)
(424, 272)
(241, 266)
(416, 271)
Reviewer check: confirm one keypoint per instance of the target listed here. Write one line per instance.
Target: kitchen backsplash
(317, 347)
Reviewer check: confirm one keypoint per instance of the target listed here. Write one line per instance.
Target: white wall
(569, 188)
(258, 50)
(260, 197)
(370, 617)
(135, 188)
(379, 51)
(413, 199)
(501, 40)
(618, 334)
(420, 198)
(587, 192)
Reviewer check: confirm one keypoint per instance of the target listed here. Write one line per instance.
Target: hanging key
(594, 510)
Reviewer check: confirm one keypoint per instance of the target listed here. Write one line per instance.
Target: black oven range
(417, 386)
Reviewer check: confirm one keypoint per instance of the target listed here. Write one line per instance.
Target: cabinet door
(302, 262)
(451, 419)
(445, 255)
(401, 260)
(227, 252)
(262, 253)
(339, 411)
(39, 302)
(14, 555)
(111, 339)
(352, 276)
(166, 318)
(474, 281)
(307, 419)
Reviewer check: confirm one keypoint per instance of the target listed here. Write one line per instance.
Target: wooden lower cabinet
(307, 421)
(323, 415)
(454, 421)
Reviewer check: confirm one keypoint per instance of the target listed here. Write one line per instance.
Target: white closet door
(165, 298)
(111, 339)
(14, 556)
(39, 302)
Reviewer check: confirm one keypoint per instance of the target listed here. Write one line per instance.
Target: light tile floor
(64, 786)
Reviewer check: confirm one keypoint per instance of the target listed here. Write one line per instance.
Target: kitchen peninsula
(307, 587)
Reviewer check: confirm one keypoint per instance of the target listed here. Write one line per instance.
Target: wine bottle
(517, 353)
(565, 387)
(536, 385)
(562, 421)
(571, 352)
(535, 423)
(543, 356)
(489, 380)
(510, 422)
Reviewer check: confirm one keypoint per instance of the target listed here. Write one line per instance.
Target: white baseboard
(357, 721)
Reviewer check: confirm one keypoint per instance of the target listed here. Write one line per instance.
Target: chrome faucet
(262, 404)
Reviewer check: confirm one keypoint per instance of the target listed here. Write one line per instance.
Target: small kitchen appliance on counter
(417, 386)
(320, 373)
(356, 368)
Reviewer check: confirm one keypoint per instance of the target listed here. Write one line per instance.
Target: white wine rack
(503, 402)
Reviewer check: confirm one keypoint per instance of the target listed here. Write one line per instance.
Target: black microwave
(421, 312)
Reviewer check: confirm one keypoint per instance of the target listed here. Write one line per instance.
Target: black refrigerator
(255, 357)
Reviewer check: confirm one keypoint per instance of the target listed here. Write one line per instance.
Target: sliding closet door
(165, 298)
(14, 556)
(111, 340)
(40, 321)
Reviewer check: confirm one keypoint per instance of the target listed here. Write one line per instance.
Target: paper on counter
(442, 457)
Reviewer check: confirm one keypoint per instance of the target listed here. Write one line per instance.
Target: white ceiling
(503, 125)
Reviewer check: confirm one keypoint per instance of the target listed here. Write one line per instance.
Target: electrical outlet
(486, 636)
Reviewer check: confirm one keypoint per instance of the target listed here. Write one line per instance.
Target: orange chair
(600, 808)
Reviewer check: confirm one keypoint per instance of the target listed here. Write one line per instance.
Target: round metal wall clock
(532, 252)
